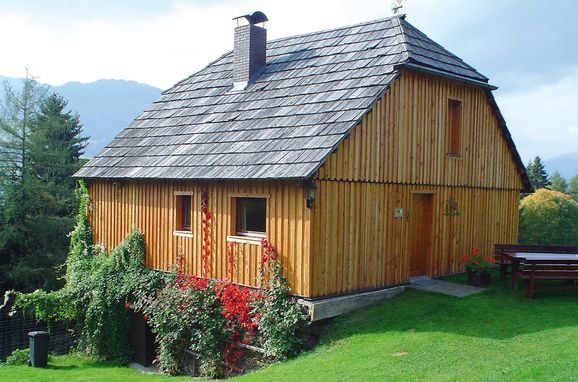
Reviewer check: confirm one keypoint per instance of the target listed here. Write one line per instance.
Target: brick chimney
(250, 53)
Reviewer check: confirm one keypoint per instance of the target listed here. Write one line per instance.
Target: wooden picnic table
(548, 263)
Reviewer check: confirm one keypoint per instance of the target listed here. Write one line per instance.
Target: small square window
(454, 126)
(250, 216)
(184, 213)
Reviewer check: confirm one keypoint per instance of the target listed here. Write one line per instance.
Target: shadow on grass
(62, 367)
(499, 313)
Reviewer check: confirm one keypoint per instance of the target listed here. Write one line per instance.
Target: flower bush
(214, 319)
(477, 263)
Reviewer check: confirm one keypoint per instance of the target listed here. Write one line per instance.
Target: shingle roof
(315, 88)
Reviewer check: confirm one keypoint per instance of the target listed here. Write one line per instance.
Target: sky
(528, 48)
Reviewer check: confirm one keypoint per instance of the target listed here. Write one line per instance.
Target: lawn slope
(498, 335)
(494, 336)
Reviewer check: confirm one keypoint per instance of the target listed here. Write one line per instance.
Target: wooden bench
(558, 270)
(504, 264)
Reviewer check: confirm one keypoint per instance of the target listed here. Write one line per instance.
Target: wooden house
(365, 154)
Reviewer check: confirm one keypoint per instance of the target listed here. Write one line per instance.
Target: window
(454, 126)
(250, 216)
(184, 212)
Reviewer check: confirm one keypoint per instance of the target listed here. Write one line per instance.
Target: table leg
(515, 268)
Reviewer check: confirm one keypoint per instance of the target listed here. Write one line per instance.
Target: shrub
(185, 317)
(18, 357)
(548, 217)
(212, 318)
(280, 315)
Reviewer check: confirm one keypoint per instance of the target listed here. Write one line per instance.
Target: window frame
(252, 237)
(454, 126)
(181, 230)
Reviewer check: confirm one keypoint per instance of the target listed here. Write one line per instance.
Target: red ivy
(237, 305)
(185, 282)
(206, 244)
(269, 252)
(230, 259)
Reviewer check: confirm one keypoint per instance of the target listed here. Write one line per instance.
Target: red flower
(146, 318)
(127, 305)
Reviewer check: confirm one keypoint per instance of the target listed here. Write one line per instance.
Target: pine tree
(55, 149)
(558, 183)
(537, 174)
(41, 150)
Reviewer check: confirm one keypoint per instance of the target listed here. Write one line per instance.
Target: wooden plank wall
(117, 207)
(359, 244)
(404, 139)
(398, 148)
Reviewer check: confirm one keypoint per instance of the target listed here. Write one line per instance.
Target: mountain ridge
(566, 164)
(105, 106)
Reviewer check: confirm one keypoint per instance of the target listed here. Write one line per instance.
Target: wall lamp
(310, 188)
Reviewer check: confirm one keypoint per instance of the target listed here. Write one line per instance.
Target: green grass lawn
(498, 335)
(76, 368)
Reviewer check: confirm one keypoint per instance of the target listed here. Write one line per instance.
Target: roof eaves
(441, 73)
(510, 142)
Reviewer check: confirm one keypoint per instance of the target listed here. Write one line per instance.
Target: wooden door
(420, 222)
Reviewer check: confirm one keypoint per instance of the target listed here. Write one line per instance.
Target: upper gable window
(454, 126)
(184, 212)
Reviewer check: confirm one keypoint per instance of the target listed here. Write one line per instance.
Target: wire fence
(14, 331)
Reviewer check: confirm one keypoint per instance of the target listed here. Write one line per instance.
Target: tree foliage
(537, 174)
(558, 183)
(548, 217)
(40, 149)
(98, 285)
(573, 187)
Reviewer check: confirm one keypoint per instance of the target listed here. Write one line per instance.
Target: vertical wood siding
(399, 148)
(359, 244)
(118, 207)
(404, 139)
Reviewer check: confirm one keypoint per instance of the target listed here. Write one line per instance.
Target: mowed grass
(498, 335)
(76, 368)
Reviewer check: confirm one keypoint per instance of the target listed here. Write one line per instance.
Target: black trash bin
(38, 348)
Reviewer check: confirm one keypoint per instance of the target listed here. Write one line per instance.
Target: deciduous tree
(573, 187)
(548, 217)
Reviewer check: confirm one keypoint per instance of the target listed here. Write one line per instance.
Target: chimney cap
(255, 18)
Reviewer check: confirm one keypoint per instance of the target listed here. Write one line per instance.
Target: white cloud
(544, 120)
(156, 48)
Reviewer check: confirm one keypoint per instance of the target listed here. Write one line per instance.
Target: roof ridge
(403, 37)
(432, 41)
(376, 21)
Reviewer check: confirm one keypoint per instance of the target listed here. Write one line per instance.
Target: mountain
(566, 164)
(105, 106)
